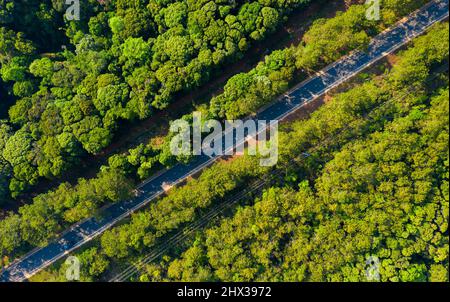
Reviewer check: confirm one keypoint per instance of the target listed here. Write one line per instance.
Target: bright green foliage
(379, 196)
(92, 264)
(132, 59)
(382, 193)
(124, 61)
(178, 207)
(326, 41)
(50, 213)
(117, 75)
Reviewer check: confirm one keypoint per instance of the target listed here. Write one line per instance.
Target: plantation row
(294, 231)
(245, 93)
(39, 222)
(128, 59)
(384, 196)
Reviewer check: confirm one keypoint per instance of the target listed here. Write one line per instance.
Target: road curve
(328, 78)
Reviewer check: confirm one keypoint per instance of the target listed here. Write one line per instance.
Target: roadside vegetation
(124, 61)
(375, 183)
(42, 220)
(128, 60)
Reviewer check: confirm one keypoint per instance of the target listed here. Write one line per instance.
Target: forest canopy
(374, 186)
(74, 82)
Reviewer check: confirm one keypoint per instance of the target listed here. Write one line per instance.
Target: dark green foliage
(383, 195)
(378, 186)
(125, 61)
(124, 68)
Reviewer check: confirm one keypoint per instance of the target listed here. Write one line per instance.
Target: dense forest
(50, 213)
(375, 184)
(125, 60)
(122, 62)
(383, 196)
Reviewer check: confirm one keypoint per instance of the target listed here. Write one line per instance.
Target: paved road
(303, 93)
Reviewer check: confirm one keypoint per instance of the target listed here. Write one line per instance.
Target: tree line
(381, 200)
(382, 197)
(123, 61)
(139, 162)
(376, 188)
